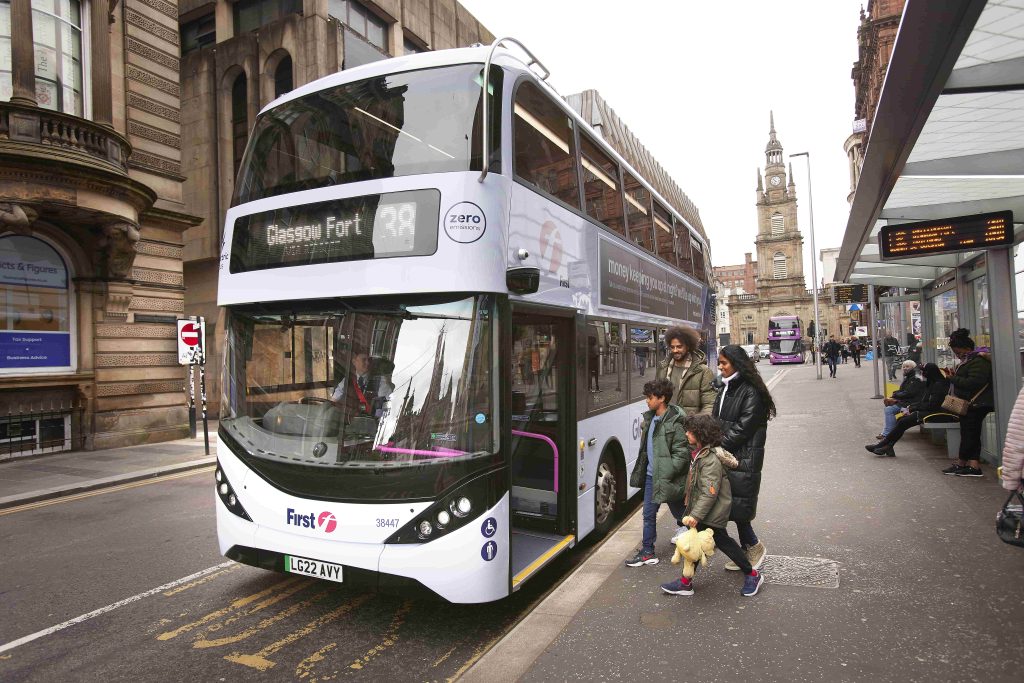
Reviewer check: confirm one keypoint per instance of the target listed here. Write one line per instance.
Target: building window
(198, 33)
(35, 307)
(362, 21)
(251, 14)
(283, 77)
(58, 48)
(544, 145)
(779, 271)
(778, 224)
(239, 119)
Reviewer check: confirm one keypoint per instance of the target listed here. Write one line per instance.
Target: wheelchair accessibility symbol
(489, 551)
(489, 527)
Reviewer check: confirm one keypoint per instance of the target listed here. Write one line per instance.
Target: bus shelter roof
(948, 134)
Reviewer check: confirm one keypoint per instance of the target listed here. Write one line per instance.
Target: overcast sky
(695, 82)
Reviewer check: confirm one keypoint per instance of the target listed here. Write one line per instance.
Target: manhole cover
(812, 572)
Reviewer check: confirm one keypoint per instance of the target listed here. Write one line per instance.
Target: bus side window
(638, 213)
(683, 252)
(664, 241)
(545, 154)
(698, 258)
(603, 202)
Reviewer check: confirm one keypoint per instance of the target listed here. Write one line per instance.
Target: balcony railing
(67, 137)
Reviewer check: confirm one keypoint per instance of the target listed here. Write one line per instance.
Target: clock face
(775, 180)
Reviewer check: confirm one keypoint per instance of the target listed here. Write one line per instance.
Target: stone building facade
(781, 289)
(876, 35)
(239, 56)
(92, 217)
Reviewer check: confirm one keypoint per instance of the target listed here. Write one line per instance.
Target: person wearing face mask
(743, 407)
(971, 381)
(911, 390)
(692, 380)
(927, 408)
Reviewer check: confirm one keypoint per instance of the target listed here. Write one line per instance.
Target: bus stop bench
(951, 430)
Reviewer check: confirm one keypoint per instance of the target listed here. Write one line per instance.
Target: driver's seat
(303, 419)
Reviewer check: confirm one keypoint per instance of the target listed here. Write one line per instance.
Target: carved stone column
(23, 59)
(102, 107)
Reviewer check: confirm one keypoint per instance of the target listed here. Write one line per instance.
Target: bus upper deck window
(545, 154)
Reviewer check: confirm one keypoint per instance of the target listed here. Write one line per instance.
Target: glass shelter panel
(944, 307)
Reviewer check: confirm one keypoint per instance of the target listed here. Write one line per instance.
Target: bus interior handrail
(486, 81)
(545, 439)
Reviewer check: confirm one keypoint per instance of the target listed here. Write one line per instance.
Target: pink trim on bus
(439, 453)
(532, 435)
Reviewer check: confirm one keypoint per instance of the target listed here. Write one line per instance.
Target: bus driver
(362, 392)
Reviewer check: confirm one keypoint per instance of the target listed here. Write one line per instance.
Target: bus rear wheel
(605, 495)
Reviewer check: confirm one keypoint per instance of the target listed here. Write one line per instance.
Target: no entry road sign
(191, 341)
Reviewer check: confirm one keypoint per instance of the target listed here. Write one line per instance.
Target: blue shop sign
(35, 350)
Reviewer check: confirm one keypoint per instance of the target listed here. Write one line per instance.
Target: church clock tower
(779, 242)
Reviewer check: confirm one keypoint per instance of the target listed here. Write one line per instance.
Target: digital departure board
(849, 294)
(946, 236)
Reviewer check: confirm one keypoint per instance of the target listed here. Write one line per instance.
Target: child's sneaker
(756, 554)
(641, 558)
(678, 587)
(751, 584)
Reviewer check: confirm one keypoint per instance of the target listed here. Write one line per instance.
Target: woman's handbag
(1008, 521)
(960, 406)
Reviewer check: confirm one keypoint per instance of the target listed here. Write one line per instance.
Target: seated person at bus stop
(362, 391)
(911, 390)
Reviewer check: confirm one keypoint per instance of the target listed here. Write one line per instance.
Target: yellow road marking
(236, 605)
(112, 489)
(443, 658)
(198, 582)
(306, 666)
(259, 659)
(203, 643)
(521, 576)
(477, 654)
(390, 636)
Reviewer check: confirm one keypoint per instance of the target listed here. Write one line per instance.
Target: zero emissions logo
(325, 521)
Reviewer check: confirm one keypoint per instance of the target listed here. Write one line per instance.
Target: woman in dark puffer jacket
(743, 408)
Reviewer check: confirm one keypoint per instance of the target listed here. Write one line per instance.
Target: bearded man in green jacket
(687, 369)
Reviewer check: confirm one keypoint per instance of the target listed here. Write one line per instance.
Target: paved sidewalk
(31, 479)
(921, 588)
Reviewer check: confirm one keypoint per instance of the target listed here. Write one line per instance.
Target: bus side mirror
(523, 279)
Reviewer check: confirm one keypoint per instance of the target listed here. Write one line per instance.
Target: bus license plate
(314, 568)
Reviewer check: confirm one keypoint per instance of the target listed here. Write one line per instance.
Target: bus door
(543, 511)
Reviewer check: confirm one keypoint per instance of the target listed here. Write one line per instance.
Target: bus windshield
(425, 121)
(787, 346)
(344, 401)
(784, 324)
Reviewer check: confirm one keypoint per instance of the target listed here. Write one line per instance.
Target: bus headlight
(462, 506)
(443, 519)
(454, 510)
(227, 495)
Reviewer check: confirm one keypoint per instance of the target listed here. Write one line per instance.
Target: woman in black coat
(928, 408)
(743, 408)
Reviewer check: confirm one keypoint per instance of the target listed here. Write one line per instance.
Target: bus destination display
(947, 236)
(849, 294)
(355, 228)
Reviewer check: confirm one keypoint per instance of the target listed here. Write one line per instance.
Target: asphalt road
(212, 619)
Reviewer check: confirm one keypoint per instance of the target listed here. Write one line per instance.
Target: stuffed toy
(694, 546)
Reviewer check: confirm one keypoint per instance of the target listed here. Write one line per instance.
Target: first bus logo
(325, 521)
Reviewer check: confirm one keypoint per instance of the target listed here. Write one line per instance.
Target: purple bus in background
(785, 340)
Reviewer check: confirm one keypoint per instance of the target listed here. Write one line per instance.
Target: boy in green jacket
(661, 466)
(709, 499)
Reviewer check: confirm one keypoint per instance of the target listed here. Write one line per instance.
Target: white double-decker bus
(433, 371)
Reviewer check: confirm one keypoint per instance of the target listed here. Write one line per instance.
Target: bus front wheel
(605, 495)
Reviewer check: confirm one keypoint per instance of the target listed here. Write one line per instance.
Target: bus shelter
(947, 140)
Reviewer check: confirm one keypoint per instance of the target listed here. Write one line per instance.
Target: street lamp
(814, 254)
